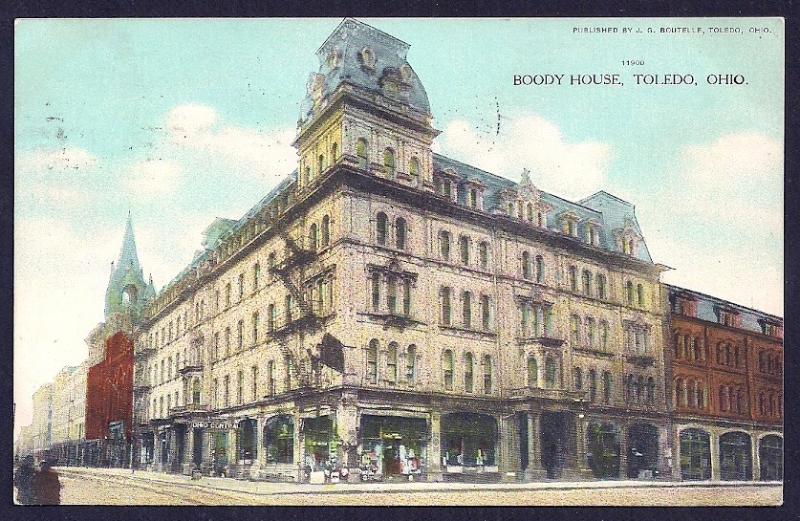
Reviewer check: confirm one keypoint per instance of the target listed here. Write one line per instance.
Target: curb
(433, 487)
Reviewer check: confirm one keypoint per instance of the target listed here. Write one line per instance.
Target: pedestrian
(22, 479)
(46, 486)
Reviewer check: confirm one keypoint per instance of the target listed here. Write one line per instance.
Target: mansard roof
(609, 212)
(708, 307)
(342, 60)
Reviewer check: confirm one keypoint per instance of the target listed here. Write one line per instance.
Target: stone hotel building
(396, 312)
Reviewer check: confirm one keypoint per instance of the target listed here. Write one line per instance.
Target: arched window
(539, 219)
(388, 161)
(640, 388)
(312, 236)
(691, 389)
(279, 439)
(407, 297)
(487, 374)
(382, 228)
(326, 231)
(361, 153)
(539, 269)
(640, 295)
(700, 393)
(447, 364)
(255, 327)
(446, 309)
(469, 366)
(307, 175)
(762, 406)
(240, 334)
(483, 252)
(400, 233)
(740, 403)
(444, 244)
(411, 364)
(604, 335)
(526, 265)
(651, 390)
(550, 372)
(587, 283)
(391, 363)
(533, 372)
(271, 318)
(606, 387)
(334, 152)
(698, 349)
(473, 198)
(578, 379)
(601, 286)
(629, 293)
(463, 244)
(573, 278)
(529, 212)
(685, 345)
(372, 362)
(321, 163)
(592, 385)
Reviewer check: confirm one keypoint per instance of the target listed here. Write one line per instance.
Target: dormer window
(367, 58)
(728, 317)
(592, 234)
(473, 197)
(771, 328)
(569, 224)
(443, 183)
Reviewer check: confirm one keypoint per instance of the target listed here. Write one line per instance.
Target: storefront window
(392, 445)
(279, 439)
(468, 440)
(247, 439)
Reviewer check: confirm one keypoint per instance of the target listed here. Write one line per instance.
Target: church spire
(127, 255)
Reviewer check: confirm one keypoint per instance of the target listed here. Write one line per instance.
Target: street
(89, 488)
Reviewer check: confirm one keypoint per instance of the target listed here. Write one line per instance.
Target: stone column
(434, 462)
(535, 470)
(580, 467)
(756, 458)
(509, 448)
(676, 454)
(715, 461)
(156, 450)
(233, 453)
(623, 451)
(188, 450)
(298, 453)
(347, 427)
(208, 443)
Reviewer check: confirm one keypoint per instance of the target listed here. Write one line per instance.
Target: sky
(181, 121)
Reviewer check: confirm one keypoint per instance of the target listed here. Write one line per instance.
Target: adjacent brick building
(726, 388)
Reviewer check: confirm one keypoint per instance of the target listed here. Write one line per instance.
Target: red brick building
(726, 374)
(109, 391)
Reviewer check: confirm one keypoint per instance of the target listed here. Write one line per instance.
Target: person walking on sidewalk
(46, 486)
(23, 478)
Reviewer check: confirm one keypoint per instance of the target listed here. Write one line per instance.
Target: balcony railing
(189, 408)
(547, 339)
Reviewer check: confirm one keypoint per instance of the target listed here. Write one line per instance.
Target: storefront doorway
(164, 446)
(392, 445)
(247, 440)
(642, 451)
(279, 439)
(197, 447)
(469, 441)
(695, 448)
(603, 450)
(219, 454)
(770, 454)
(557, 440)
(522, 433)
(180, 447)
(735, 457)
(317, 441)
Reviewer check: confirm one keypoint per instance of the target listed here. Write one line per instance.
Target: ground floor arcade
(727, 452)
(364, 434)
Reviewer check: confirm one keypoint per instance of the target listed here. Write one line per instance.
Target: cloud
(190, 119)
(63, 161)
(529, 141)
(197, 132)
(153, 178)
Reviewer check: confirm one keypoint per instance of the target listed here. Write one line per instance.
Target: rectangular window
(241, 286)
(486, 312)
(407, 298)
(487, 374)
(391, 295)
(376, 292)
(240, 387)
(271, 377)
(254, 382)
(466, 312)
(226, 391)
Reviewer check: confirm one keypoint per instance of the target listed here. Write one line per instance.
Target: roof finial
(526, 178)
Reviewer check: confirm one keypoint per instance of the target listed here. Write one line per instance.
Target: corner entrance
(642, 451)
(558, 441)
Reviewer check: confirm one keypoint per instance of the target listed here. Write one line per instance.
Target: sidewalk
(268, 488)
